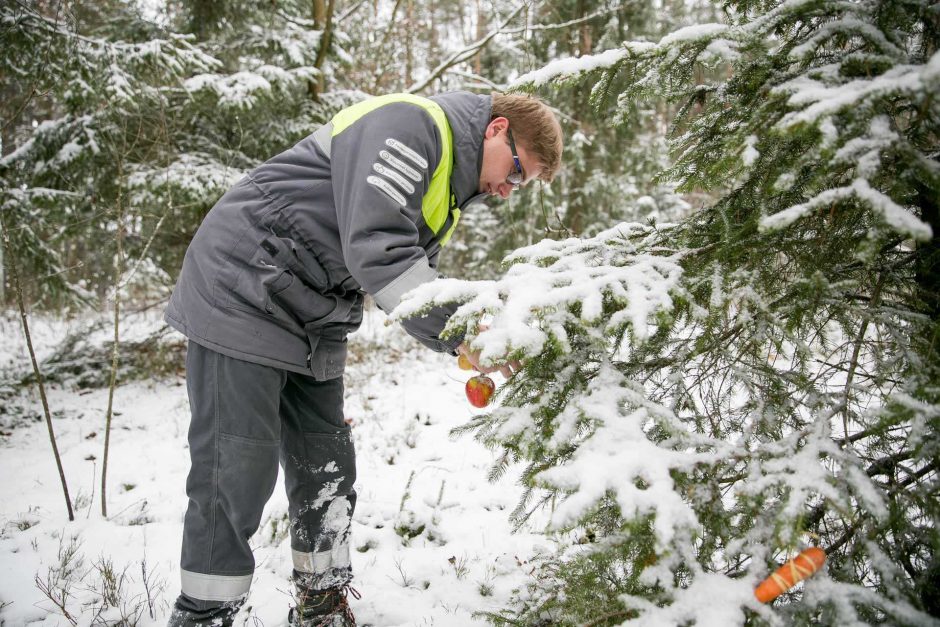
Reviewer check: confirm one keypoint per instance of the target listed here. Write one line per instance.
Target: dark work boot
(323, 608)
(186, 613)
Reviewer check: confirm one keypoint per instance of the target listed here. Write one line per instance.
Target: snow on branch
(846, 27)
(621, 459)
(895, 216)
(696, 32)
(708, 37)
(242, 90)
(604, 281)
(710, 599)
(468, 51)
(196, 175)
(821, 93)
(572, 66)
(173, 54)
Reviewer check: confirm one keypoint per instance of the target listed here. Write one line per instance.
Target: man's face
(498, 162)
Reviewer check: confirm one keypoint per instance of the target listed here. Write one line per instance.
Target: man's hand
(507, 369)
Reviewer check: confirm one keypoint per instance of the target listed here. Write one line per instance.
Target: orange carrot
(799, 568)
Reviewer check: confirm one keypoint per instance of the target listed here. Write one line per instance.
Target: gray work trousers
(246, 417)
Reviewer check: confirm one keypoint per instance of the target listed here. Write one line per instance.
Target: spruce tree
(701, 401)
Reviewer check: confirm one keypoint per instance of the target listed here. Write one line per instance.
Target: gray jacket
(276, 272)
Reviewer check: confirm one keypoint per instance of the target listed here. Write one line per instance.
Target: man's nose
(504, 190)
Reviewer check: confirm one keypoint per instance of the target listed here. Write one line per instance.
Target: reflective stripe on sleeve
(386, 187)
(389, 296)
(405, 151)
(395, 177)
(321, 562)
(406, 169)
(214, 587)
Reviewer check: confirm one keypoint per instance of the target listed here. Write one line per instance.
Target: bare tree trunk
(432, 36)
(18, 291)
(409, 42)
(119, 273)
(481, 30)
(323, 19)
(464, 23)
(3, 277)
(586, 40)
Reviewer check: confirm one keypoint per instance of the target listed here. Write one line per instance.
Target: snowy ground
(403, 399)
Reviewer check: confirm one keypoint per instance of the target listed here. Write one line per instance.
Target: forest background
(735, 302)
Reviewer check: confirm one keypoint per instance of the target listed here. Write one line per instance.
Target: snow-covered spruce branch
(174, 54)
(899, 219)
(243, 89)
(607, 282)
(715, 40)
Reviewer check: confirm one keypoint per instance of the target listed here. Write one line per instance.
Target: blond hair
(534, 125)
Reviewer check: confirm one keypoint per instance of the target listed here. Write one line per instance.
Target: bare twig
(119, 271)
(463, 54)
(853, 364)
(58, 597)
(560, 25)
(18, 290)
(143, 254)
(350, 11)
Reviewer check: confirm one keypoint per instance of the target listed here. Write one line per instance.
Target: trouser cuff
(214, 587)
(323, 570)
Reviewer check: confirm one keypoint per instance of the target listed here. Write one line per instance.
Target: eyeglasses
(515, 178)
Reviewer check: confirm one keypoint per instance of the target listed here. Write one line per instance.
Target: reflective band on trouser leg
(316, 563)
(215, 587)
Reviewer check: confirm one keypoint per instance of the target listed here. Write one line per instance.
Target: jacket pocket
(300, 261)
(305, 305)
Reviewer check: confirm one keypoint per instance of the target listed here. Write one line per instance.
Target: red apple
(480, 390)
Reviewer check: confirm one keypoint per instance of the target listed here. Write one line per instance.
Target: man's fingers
(507, 369)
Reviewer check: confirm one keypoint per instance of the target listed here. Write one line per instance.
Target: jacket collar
(468, 115)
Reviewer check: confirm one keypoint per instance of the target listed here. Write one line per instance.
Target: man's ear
(496, 126)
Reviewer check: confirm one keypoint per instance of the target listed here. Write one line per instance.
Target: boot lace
(340, 606)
